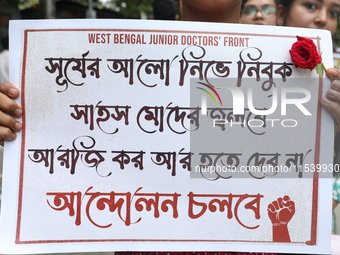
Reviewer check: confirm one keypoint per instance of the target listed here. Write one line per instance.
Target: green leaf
(320, 69)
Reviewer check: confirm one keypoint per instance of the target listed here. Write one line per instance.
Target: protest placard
(166, 136)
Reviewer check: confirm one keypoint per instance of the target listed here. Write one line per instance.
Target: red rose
(304, 53)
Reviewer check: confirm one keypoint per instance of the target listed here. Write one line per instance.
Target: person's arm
(334, 204)
(9, 111)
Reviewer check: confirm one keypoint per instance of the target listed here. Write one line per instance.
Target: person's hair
(275, 2)
(165, 9)
(286, 4)
(242, 4)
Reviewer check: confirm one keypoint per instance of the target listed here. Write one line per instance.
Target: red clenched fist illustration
(280, 213)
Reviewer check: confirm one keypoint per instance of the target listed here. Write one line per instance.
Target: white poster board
(107, 158)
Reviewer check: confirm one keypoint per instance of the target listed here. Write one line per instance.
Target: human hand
(281, 210)
(280, 213)
(9, 110)
(332, 102)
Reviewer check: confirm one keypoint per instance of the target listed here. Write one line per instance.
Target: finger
(334, 95)
(9, 106)
(9, 122)
(279, 202)
(336, 85)
(8, 127)
(9, 90)
(275, 205)
(286, 198)
(6, 134)
(271, 208)
(332, 107)
(291, 206)
(288, 203)
(333, 73)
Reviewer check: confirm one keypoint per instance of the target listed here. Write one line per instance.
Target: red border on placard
(313, 234)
